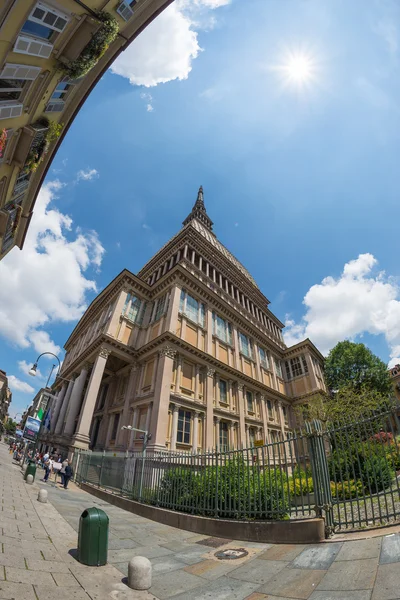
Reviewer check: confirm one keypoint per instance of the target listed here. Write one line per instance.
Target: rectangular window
(62, 89)
(246, 345)
(45, 22)
(125, 9)
(263, 358)
(223, 395)
(14, 71)
(132, 307)
(184, 426)
(269, 406)
(278, 368)
(11, 89)
(115, 428)
(249, 400)
(285, 413)
(192, 308)
(296, 366)
(222, 329)
(161, 307)
(223, 436)
(32, 46)
(252, 437)
(102, 396)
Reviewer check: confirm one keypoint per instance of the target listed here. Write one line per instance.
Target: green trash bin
(30, 469)
(93, 537)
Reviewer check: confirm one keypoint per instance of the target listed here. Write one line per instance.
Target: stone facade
(5, 397)
(188, 350)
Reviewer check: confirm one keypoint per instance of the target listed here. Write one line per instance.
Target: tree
(354, 367)
(10, 427)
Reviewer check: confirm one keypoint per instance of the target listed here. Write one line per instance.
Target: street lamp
(33, 369)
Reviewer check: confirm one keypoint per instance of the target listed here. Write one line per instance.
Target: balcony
(29, 137)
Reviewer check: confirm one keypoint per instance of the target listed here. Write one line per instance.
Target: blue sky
(301, 181)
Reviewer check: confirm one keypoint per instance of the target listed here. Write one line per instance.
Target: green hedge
(234, 490)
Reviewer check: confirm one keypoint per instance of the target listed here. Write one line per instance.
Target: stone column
(174, 430)
(148, 417)
(230, 397)
(242, 430)
(210, 409)
(217, 423)
(76, 400)
(132, 434)
(60, 421)
(81, 437)
(197, 382)
(122, 438)
(57, 408)
(173, 309)
(230, 436)
(264, 417)
(281, 419)
(209, 331)
(113, 325)
(162, 392)
(195, 440)
(178, 362)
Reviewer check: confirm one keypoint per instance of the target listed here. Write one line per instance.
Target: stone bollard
(29, 479)
(42, 496)
(139, 573)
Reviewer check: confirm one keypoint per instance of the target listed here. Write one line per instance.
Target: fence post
(101, 467)
(76, 475)
(320, 475)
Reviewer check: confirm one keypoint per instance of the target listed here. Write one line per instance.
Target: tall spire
(199, 212)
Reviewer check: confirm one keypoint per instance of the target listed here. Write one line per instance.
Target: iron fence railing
(346, 473)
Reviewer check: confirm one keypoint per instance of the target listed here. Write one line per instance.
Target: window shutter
(32, 46)
(13, 71)
(55, 106)
(125, 11)
(8, 111)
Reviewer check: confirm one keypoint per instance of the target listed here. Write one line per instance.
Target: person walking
(47, 468)
(67, 474)
(62, 472)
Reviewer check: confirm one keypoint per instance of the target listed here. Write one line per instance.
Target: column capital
(168, 351)
(240, 387)
(176, 407)
(262, 397)
(104, 352)
(87, 365)
(210, 372)
(230, 425)
(134, 367)
(196, 414)
(217, 420)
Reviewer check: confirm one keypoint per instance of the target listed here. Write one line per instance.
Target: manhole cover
(214, 542)
(231, 553)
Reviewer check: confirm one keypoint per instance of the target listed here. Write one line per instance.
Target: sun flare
(299, 68)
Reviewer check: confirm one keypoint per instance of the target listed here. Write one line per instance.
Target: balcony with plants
(88, 45)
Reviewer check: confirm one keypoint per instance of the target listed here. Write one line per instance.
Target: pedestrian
(47, 469)
(67, 475)
(62, 472)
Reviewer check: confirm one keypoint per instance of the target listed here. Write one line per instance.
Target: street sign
(259, 443)
(31, 429)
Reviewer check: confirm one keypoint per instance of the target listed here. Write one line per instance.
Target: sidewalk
(35, 563)
(184, 564)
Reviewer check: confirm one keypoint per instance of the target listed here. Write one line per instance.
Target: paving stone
(356, 595)
(223, 588)
(65, 580)
(165, 564)
(147, 551)
(211, 569)
(117, 544)
(390, 552)
(317, 557)
(167, 585)
(359, 549)
(25, 576)
(387, 584)
(350, 575)
(293, 583)
(192, 554)
(258, 571)
(257, 596)
(286, 552)
(57, 593)
(11, 560)
(123, 567)
(47, 566)
(19, 591)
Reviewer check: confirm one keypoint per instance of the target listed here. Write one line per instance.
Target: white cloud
(46, 282)
(16, 385)
(87, 175)
(164, 51)
(25, 368)
(145, 226)
(361, 300)
(149, 99)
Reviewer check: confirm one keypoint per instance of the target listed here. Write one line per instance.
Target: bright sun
(299, 68)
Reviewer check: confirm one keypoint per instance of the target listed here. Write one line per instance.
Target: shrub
(301, 482)
(376, 473)
(382, 437)
(95, 49)
(347, 489)
(234, 490)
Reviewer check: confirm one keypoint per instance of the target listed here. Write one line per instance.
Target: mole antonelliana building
(187, 350)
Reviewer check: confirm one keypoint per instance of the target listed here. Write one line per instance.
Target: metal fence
(346, 473)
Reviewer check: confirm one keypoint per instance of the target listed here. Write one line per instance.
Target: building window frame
(223, 391)
(264, 358)
(296, 367)
(250, 402)
(278, 367)
(114, 428)
(223, 435)
(246, 345)
(53, 28)
(192, 309)
(184, 428)
(222, 329)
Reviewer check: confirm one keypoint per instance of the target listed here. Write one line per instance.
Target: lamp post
(146, 438)
(33, 369)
